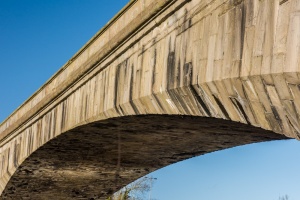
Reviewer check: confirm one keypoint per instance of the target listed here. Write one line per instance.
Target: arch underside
(95, 160)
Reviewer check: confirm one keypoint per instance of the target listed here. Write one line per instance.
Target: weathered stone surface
(228, 59)
(94, 160)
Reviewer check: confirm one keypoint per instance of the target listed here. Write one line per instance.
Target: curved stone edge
(99, 158)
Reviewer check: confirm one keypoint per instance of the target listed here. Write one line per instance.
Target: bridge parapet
(113, 34)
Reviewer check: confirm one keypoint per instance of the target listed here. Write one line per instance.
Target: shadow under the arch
(95, 160)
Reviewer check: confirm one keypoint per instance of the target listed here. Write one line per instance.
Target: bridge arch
(226, 61)
(97, 159)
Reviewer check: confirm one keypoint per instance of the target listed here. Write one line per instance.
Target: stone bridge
(163, 81)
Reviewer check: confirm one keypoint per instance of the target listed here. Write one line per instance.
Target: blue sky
(38, 37)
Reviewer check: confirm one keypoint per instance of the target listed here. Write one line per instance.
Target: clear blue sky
(38, 36)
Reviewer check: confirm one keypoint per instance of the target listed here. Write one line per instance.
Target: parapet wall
(114, 33)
